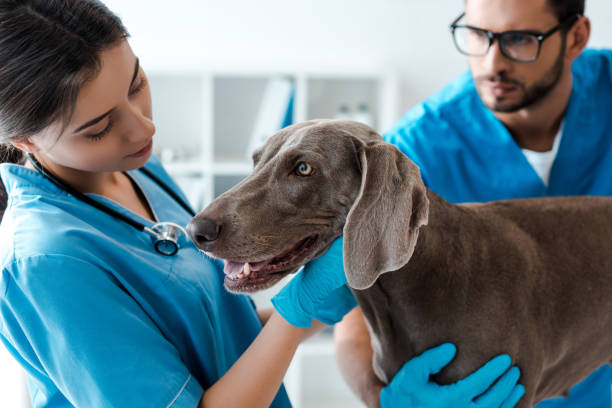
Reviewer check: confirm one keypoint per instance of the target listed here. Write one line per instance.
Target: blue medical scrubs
(99, 319)
(466, 155)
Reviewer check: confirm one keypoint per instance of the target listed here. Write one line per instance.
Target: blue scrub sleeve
(73, 322)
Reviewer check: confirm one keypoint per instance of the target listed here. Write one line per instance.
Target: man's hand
(412, 387)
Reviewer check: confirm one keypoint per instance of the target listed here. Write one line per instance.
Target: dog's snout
(203, 231)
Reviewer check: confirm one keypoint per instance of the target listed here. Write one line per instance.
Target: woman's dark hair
(48, 50)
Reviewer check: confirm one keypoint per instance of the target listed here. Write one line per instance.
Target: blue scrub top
(467, 155)
(97, 317)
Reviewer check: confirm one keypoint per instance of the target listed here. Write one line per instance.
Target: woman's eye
(104, 132)
(304, 169)
(139, 87)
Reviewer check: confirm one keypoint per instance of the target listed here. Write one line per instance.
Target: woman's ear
(26, 145)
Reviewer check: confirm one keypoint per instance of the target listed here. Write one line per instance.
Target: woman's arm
(264, 314)
(256, 377)
(318, 293)
(354, 355)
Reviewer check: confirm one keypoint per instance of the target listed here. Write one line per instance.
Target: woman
(98, 310)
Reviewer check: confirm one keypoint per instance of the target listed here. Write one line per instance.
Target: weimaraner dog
(529, 277)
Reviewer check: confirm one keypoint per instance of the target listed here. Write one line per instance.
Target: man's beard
(533, 94)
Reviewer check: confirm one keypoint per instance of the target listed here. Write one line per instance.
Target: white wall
(13, 389)
(410, 37)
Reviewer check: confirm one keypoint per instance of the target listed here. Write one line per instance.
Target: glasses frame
(492, 36)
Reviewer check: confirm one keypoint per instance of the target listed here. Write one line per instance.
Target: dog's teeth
(246, 271)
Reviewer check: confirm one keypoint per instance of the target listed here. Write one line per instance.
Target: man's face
(505, 85)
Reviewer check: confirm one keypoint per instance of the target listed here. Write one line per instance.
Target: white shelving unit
(205, 119)
(313, 379)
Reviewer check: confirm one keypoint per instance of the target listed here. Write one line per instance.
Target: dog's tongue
(234, 268)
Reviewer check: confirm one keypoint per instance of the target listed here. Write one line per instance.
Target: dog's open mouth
(241, 276)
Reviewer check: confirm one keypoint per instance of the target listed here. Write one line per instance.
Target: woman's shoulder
(40, 219)
(35, 225)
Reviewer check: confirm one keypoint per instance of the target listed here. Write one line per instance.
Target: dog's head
(311, 183)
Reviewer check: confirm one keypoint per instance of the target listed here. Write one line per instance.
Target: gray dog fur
(529, 277)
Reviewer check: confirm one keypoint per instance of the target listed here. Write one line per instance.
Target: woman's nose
(139, 124)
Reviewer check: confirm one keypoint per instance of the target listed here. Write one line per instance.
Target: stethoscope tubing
(116, 214)
(168, 190)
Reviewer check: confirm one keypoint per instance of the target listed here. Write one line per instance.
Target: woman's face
(111, 128)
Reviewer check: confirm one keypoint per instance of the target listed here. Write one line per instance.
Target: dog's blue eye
(304, 169)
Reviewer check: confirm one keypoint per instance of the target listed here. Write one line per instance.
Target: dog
(527, 277)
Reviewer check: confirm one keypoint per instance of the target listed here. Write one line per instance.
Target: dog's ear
(256, 157)
(383, 224)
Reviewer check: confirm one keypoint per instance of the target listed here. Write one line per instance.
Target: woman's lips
(143, 151)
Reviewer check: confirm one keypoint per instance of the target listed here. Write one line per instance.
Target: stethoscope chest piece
(165, 236)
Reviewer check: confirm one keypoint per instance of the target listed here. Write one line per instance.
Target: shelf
(186, 168)
(219, 168)
(327, 97)
(232, 168)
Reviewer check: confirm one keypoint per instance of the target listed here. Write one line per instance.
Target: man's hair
(564, 9)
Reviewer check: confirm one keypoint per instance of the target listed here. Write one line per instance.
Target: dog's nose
(203, 231)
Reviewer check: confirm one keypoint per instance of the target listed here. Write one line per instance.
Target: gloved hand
(411, 386)
(318, 291)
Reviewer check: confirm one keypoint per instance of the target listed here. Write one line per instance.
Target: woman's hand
(411, 387)
(319, 291)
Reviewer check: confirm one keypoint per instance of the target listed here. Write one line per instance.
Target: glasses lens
(470, 41)
(520, 46)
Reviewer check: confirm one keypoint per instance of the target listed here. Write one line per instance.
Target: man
(532, 118)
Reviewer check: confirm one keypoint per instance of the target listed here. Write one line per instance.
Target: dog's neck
(446, 223)
(434, 280)
(430, 284)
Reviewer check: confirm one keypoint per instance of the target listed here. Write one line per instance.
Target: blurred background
(225, 75)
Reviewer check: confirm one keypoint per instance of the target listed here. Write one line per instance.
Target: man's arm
(354, 355)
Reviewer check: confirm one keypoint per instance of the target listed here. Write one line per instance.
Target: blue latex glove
(319, 291)
(411, 387)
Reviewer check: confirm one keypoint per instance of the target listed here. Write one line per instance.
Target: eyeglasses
(516, 45)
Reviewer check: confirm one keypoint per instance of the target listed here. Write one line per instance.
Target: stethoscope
(165, 235)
